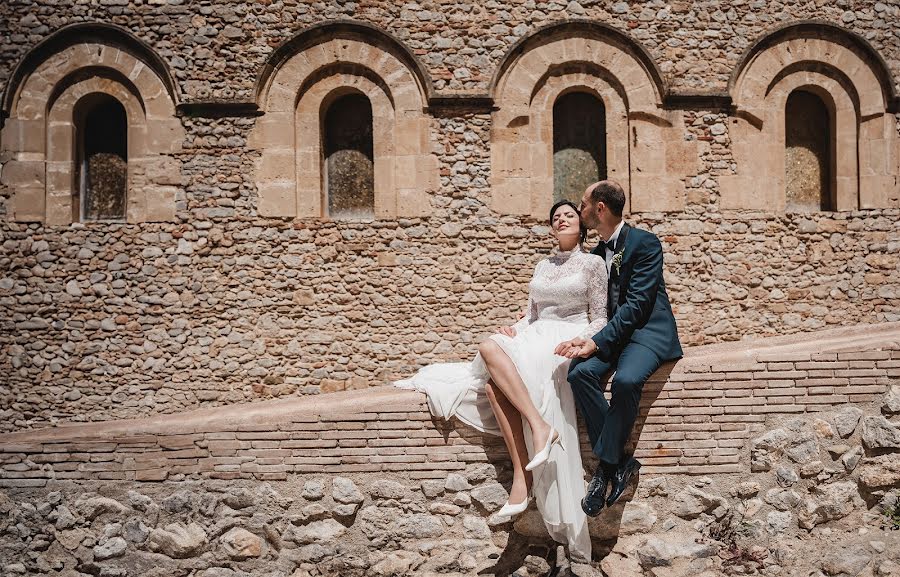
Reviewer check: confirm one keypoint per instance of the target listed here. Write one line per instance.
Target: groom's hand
(577, 347)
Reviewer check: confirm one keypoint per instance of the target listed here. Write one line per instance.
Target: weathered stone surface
(661, 552)
(397, 563)
(880, 472)
(114, 547)
(637, 518)
(313, 490)
(387, 489)
(783, 499)
(802, 449)
(96, 506)
(836, 501)
(691, 502)
(846, 419)
(491, 496)
(417, 526)
(178, 540)
(456, 482)
(345, 491)
(880, 433)
(241, 544)
(848, 561)
(778, 521)
(891, 402)
(323, 531)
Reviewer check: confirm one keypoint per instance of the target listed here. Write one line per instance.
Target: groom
(638, 338)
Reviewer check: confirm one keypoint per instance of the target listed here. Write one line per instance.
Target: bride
(516, 386)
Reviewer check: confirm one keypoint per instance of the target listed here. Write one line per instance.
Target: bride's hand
(508, 331)
(577, 347)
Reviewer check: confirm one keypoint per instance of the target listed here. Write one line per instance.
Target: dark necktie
(611, 245)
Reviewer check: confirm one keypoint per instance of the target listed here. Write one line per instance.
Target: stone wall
(779, 458)
(216, 304)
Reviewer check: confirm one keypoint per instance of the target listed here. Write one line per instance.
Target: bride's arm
(596, 289)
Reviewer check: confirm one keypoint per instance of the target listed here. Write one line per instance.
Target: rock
(846, 419)
(417, 526)
(73, 289)
(619, 565)
(837, 500)
(786, 477)
(324, 531)
(782, 499)
(475, 527)
(750, 507)
(347, 510)
(887, 568)
(238, 499)
(241, 544)
(891, 402)
(851, 458)
(691, 502)
(432, 489)
(533, 566)
(880, 472)
(491, 496)
(811, 469)
(313, 490)
(136, 531)
(386, 489)
(177, 540)
(778, 522)
(95, 506)
(746, 489)
(64, 518)
(637, 518)
(823, 429)
(397, 563)
(803, 449)
(655, 487)
(177, 502)
(441, 508)
(837, 450)
(456, 482)
(846, 561)
(344, 491)
(764, 450)
(663, 551)
(114, 547)
(879, 433)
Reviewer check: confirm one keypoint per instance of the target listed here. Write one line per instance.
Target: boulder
(691, 502)
(417, 526)
(95, 506)
(637, 518)
(387, 489)
(109, 549)
(802, 449)
(846, 561)
(891, 402)
(326, 530)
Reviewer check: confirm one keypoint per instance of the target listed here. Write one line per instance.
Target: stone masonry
(226, 283)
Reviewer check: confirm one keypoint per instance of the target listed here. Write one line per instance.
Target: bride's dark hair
(583, 231)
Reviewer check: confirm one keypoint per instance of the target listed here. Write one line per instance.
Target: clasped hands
(574, 348)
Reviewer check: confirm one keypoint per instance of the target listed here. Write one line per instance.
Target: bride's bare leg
(505, 376)
(510, 422)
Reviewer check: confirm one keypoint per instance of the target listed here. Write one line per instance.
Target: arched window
(579, 144)
(809, 153)
(349, 162)
(101, 136)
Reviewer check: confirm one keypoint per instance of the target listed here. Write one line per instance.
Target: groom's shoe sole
(621, 479)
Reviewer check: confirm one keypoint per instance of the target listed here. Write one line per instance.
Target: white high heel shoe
(508, 511)
(544, 453)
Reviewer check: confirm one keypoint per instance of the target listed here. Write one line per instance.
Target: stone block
(59, 210)
(22, 136)
(277, 199)
(511, 196)
(160, 204)
(28, 204)
(277, 165)
(28, 173)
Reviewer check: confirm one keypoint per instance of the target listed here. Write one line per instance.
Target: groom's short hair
(611, 194)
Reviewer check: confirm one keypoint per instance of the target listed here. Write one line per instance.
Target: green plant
(892, 516)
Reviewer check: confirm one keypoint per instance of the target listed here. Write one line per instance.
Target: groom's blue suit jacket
(638, 305)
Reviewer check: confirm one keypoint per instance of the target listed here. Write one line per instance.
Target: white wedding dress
(567, 299)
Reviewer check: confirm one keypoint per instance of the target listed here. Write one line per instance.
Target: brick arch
(37, 172)
(823, 57)
(649, 150)
(291, 91)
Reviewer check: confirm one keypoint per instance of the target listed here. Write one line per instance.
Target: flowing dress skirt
(458, 390)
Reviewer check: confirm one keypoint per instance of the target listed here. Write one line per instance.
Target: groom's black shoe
(596, 492)
(620, 479)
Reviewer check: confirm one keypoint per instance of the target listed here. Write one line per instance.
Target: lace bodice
(568, 286)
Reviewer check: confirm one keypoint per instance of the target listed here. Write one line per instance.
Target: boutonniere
(617, 261)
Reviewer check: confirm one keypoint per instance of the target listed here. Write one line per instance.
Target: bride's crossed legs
(511, 403)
